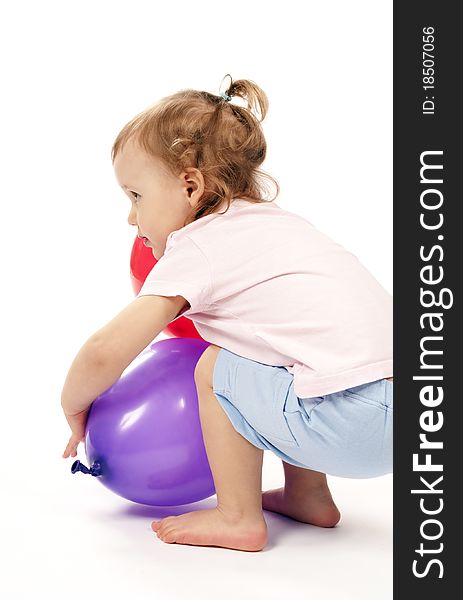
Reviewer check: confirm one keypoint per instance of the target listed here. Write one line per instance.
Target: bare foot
(212, 527)
(315, 507)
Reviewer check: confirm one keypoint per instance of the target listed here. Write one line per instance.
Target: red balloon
(142, 261)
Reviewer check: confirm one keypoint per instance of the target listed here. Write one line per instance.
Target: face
(160, 201)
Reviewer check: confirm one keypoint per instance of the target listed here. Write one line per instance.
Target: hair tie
(225, 97)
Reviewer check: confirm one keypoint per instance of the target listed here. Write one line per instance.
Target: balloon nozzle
(94, 470)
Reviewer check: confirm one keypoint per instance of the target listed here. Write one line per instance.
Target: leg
(298, 480)
(305, 497)
(237, 521)
(235, 463)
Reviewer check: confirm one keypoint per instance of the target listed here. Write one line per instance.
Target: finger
(68, 453)
(71, 448)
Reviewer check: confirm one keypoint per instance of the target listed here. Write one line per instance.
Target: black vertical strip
(428, 267)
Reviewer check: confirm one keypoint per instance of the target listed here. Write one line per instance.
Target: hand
(77, 424)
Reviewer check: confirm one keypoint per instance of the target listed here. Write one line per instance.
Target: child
(300, 360)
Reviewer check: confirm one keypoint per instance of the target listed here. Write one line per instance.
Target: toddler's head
(188, 156)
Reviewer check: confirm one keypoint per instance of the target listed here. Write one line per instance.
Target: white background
(72, 75)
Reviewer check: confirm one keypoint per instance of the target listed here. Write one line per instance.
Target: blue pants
(345, 434)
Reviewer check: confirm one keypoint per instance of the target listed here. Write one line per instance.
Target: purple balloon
(144, 433)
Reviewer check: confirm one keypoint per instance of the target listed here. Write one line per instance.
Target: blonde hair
(198, 129)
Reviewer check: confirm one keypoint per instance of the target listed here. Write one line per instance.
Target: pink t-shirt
(264, 283)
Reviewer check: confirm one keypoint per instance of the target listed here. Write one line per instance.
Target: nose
(131, 220)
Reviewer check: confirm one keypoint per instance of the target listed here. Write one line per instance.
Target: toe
(169, 536)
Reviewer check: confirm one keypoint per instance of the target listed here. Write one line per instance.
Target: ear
(193, 184)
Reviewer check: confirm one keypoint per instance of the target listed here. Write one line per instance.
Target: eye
(135, 195)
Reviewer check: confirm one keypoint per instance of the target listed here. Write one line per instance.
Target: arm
(107, 353)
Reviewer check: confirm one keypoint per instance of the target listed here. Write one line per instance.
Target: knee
(204, 369)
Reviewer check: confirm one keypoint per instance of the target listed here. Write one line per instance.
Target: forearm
(106, 354)
(90, 374)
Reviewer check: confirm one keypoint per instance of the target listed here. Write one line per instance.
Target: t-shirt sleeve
(183, 270)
